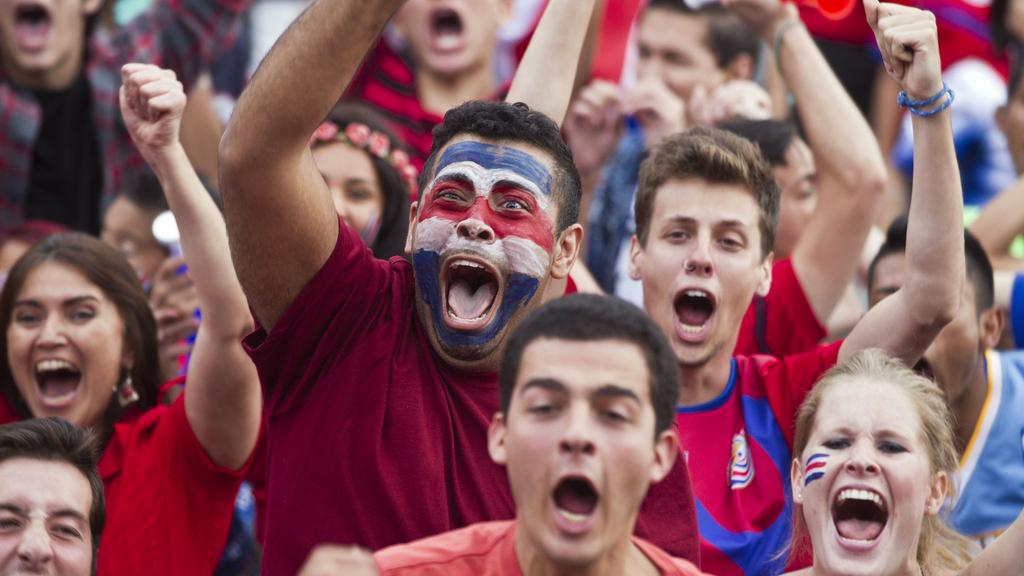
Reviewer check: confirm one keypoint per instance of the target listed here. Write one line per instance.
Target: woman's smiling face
(865, 480)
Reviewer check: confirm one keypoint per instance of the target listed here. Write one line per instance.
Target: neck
(53, 79)
(624, 558)
(967, 408)
(911, 568)
(440, 93)
(704, 382)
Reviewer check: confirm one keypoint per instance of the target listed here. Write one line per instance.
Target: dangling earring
(126, 394)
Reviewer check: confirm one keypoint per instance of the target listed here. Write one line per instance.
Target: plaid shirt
(183, 35)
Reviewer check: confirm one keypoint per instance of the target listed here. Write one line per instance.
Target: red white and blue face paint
(814, 468)
(483, 239)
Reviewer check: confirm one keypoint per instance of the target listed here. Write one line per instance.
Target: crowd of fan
(543, 287)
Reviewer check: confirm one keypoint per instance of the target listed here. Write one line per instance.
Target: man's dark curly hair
(504, 122)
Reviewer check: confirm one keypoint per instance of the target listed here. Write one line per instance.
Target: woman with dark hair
(369, 175)
(80, 342)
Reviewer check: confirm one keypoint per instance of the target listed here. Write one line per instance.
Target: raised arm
(280, 218)
(222, 398)
(906, 322)
(547, 73)
(850, 170)
(1002, 557)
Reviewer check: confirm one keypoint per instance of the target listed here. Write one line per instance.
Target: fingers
(871, 9)
(150, 91)
(597, 104)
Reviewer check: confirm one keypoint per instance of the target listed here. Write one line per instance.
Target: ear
(796, 481)
(497, 434)
(765, 284)
(636, 259)
(666, 449)
(1001, 118)
(412, 228)
(991, 324)
(937, 493)
(740, 67)
(90, 7)
(566, 251)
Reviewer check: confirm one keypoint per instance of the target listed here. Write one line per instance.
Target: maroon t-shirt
(372, 439)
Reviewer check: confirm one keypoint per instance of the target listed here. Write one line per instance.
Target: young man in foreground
(588, 389)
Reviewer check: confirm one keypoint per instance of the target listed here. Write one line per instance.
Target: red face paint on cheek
(535, 226)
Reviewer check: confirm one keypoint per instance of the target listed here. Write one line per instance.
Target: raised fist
(152, 102)
(594, 125)
(908, 40)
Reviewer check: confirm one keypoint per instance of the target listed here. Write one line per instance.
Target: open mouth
(471, 294)
(859, 515)
(57, 380)
(575, 501)
(694, 309)
(446, 29)
(32, 23)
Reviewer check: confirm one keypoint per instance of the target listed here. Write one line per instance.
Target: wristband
(779, 33)
(914, 105)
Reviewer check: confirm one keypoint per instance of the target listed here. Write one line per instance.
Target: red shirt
(169, 506)
(781, 323)
(488, 549)
(372, 439)
(7, 414)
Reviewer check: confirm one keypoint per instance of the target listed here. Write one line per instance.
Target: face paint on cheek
(814, 469)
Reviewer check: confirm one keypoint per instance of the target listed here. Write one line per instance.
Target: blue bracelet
(904, 101)
(933, 112)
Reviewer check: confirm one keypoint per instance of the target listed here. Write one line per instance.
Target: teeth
(692, 329)
(467, 263)
(571, 516)
(53, 365)
(696, 294)
(852, 494)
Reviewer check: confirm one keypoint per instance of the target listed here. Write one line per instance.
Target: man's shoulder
(470, 550)
(666, 564)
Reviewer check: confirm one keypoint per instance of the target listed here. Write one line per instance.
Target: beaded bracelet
(913, 105)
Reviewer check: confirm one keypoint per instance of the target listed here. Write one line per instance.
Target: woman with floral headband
(369, 176)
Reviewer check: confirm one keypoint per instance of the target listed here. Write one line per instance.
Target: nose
(698, 261)
(35, 549)
(861, 460)
(576, 437)
(52, 333)
(475, 229)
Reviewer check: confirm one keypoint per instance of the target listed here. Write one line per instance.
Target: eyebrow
(549, 384)
(613, 391)
(498, 157)
(605, 391)
(731, 223)
(59, 513)
(68, 302)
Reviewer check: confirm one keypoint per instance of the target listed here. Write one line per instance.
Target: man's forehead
(498, 156)
(585, 364)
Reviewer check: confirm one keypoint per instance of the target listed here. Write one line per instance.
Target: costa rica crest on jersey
(741, 466)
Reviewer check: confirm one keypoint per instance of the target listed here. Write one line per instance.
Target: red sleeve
(352, 293)
(788, 380)
(169, 504)
(781, 323)
(7, 414)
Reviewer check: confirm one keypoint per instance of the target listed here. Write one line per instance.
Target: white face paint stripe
(516, 254)
(484, 180)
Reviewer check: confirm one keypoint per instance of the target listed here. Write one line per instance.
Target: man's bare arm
(281, 222)
(1001, 220)
(906, 322)
(547, 72)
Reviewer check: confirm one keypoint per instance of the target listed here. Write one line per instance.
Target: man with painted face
(65, 148)
(379, 377)
(984, 389)
(706, 215)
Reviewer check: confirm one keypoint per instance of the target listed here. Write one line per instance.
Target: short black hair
(979, 267)
(1016, 75)
(773, 137)
(504, 122)
(728, 37)
(144, 190)
(56, 440)
(590, 318)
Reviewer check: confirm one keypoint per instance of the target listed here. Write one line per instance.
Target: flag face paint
(741, 466)
(814, 469)
(505, 190)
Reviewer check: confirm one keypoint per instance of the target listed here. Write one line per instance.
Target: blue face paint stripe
(496, 157)
(519, 288)
(813, 476)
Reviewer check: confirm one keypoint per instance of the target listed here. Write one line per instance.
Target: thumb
(871, 9)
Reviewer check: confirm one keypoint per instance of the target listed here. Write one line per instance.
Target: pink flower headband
(376, 143)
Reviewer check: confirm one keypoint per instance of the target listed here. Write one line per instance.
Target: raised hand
(594, 125)
(152, 102)
(908, 40)
(657, 109)
(763, 16)
(734, 99)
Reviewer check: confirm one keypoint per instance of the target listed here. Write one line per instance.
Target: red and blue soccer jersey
(739, 448)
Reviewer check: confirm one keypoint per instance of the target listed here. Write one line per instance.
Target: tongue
(693, 316)
(31, 34)
(469, 304)
(854, 529)
(57, 386)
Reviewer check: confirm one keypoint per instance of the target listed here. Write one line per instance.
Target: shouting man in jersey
(379, 377)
